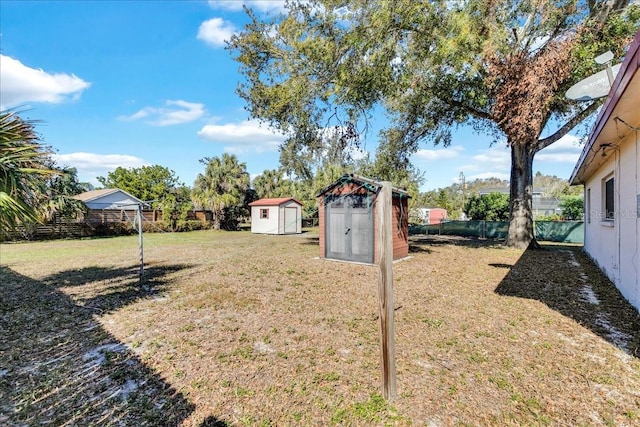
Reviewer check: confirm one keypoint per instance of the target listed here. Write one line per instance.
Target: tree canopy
(488, 207)
(224, 189)
(57, 194)
(147, 183)
(500, 66)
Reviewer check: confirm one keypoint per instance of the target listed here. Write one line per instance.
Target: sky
(134, 83)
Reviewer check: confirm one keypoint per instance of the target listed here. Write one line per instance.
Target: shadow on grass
(59, 366)
(440, 240)
(112, 288)
(567, 281)
(419, 248)
(314, 241)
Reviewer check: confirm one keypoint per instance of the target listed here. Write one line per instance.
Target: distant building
(609, 170)
(109, 198)
(432, 215)
(112, 205)
(276, 216)
(542, 206)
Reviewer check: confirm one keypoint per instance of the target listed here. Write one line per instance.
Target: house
(276, 216)
(347, 219)
(608, 169)
(432, 215)
(111, 205)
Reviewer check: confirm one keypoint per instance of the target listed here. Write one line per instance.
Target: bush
(488, 207)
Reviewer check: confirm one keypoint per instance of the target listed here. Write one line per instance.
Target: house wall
(117, 200)
(265, 225)
(613, 244)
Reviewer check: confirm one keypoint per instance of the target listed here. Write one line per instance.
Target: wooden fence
(95, 222)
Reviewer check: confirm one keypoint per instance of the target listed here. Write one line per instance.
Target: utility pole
(463, 187)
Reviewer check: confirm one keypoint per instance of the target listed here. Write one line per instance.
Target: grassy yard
(242, 329)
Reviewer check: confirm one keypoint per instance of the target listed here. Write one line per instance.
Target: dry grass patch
(244, 329)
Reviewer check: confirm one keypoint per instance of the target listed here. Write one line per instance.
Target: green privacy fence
(553, 231)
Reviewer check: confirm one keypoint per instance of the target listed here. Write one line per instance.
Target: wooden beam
(385, 291)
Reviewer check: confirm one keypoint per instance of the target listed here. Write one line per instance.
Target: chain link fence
(552, 231)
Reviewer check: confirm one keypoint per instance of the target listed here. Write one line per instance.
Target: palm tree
(23, 167)
(222, 189)
(58, 192)
(271, 183)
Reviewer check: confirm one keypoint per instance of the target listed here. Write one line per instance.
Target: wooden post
(385, 291)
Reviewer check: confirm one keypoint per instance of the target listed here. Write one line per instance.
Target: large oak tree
(500, 66)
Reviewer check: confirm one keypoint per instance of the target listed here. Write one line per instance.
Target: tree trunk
(521, 197)
(216, 217)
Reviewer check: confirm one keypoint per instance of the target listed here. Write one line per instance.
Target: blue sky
(132, 83)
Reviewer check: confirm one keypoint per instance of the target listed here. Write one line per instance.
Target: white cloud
(91, 165)
(566, 150)
(173, 113)
(22, 84)
(438, 154)
(566, 143)
(495, 157)
(557, 157)
(261, 5)
(215, 32)
(247, 136)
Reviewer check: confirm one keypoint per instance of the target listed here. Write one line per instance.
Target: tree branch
(472, 111)
(573, 122)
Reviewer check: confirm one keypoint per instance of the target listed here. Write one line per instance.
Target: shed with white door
(276, 216)
(347, 216)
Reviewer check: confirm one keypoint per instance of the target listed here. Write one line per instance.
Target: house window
(609, 205)
(264, 213)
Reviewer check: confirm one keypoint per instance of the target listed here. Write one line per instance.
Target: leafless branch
(573, 122)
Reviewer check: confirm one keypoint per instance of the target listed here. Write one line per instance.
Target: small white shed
(276, 216)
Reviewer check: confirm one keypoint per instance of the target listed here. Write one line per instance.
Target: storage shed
(276, 216)
(347, 216)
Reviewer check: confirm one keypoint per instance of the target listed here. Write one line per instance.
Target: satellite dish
(604, 58)
(593, 87)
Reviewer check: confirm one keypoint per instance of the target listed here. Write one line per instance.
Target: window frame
(587, 207)
(608, 198)
(264, 213)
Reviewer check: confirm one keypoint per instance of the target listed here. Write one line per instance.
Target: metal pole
(140, 243)
(385, 291)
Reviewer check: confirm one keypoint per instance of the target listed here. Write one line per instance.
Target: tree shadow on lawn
(567, 281)
(58, 365)
(426, 243)
(313, 241)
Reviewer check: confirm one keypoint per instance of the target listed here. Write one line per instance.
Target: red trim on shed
(274, 202)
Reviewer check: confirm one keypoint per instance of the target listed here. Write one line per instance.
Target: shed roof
(619, 116)
(366, 182)
(274, 201)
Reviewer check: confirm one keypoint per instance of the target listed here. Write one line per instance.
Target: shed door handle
(348, 230)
